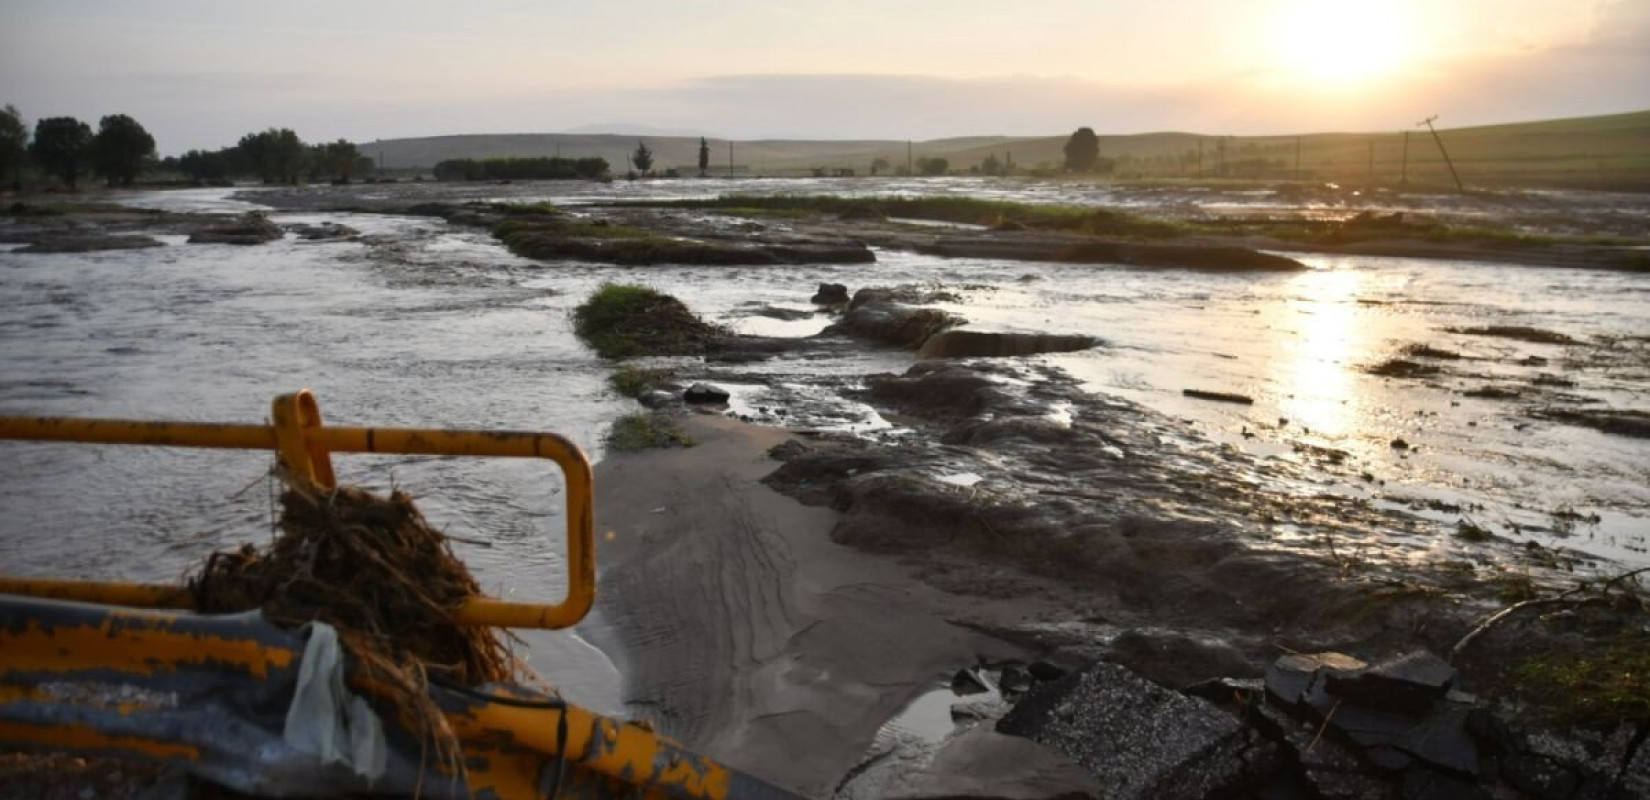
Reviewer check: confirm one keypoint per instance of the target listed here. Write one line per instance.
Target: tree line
(547, 168)
(275, 155)
(67, 149)
(64, 149)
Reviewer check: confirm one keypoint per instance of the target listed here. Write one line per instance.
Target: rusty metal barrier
(304, 447)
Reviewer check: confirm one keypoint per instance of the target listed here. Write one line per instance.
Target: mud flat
(786, 602)
(742, 628)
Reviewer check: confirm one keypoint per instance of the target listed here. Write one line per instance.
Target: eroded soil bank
(786, 632)
(1109, 570)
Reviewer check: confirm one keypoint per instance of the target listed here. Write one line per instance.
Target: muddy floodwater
(419, 323)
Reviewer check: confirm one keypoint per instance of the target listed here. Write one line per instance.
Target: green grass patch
(1608, 686)
(645, 430)
(1370, 228)
(766, 213)
(551, 238)
(550, 224)
(543, 208)
(625, 320)
(634, 381)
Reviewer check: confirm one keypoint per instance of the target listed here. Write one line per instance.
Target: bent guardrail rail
(304, 447)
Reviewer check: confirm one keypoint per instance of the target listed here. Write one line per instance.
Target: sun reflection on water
(1320, 392)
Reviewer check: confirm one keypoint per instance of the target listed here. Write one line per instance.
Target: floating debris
(1401, 368)
(1223, 397)
(1522, 333)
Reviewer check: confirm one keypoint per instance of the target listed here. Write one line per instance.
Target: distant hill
(1607, 151)
(777, 155)
(633, 129)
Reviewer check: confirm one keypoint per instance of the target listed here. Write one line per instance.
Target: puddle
(926, 719)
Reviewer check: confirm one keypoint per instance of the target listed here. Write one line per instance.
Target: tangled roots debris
(373, 568)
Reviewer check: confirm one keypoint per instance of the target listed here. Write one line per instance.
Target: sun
(1342, 41)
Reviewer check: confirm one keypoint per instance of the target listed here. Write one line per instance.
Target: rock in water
(89, 243)
(324, 232)
(700, 394)
(830, 294)
(252, 228)
(972, 344)
(656, 399)
(874, 316)
(1140, 739)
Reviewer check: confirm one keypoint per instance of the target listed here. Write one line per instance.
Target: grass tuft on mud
(624, 320)
(1606, 687)
(645, 430)
(633, 382)
(553, 237)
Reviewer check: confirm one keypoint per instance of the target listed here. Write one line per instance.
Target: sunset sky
(199, 73)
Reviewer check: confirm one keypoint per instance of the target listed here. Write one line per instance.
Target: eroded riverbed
(422, 323)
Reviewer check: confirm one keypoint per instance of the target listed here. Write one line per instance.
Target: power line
(1436, 138)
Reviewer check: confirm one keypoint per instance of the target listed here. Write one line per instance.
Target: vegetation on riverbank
(537, 231)
(1607, 687)
(1087, 220)
(629, 381)
(551, 237)
(961, 210)
(624, 320)
(1599, 152)
(645, 430)
(474, 169)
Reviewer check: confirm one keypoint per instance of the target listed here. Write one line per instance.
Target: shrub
(624, 320)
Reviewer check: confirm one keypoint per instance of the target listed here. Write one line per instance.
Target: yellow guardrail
(304, 447)
(218, 674)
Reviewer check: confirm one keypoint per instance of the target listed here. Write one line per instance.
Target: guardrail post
(296, 415)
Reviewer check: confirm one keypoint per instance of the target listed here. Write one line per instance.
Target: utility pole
(908, 162)
(730, 158)
(1403, 171)
(1453, 174)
